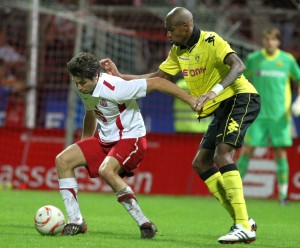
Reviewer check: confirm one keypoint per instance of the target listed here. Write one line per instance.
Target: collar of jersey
(270, 57)
(192, 40)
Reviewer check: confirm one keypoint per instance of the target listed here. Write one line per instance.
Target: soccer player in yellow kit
(213, 73)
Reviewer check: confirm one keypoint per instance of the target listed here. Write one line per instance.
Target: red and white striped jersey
(114, 103)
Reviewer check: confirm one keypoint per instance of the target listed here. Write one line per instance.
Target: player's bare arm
(237, 67)
(165, 86)
(89, 124)
(112, 69)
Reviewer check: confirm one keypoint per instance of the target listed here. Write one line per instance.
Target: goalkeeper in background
(270, 70)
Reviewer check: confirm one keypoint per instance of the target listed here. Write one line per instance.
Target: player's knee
(104, 171)
(197, 165)
(60, 162)
(101, 171)
(217, 158)
(201, 166)
(222, 158)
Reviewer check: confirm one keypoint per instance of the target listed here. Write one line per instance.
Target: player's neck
(270, 53)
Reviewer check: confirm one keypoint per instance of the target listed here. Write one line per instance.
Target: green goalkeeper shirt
(271, 76)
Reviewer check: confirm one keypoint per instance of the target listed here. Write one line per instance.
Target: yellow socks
(226, 185)
(234, 190)
(215, 183)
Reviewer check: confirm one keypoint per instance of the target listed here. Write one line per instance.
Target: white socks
(68, 188)
(127, 199)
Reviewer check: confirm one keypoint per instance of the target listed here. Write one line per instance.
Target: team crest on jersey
(279, 64)
(210, 38)
(197, 57)
(103, 103)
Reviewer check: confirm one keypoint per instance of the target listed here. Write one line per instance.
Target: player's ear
(187, 26)
(96, 77)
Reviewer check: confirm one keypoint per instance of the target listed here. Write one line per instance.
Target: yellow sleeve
(222, 49)
(171, 64)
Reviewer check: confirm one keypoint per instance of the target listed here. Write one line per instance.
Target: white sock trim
(68, 183)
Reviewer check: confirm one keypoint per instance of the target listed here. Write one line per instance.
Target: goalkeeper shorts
(273, 133)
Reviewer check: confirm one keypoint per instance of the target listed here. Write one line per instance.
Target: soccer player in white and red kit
(120, 144)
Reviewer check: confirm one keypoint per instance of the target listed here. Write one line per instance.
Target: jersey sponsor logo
(193, 72)
(210, 38)
(233, 126)
(270, 73)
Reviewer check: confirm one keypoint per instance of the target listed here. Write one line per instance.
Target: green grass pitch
(181, 221)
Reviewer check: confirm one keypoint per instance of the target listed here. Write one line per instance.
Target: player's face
(271, 44)
(177, 33)
(84, 85)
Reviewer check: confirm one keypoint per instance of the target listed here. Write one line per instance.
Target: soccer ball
(49, 220)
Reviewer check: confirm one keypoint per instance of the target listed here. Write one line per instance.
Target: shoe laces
(233, 229)
(236, 229)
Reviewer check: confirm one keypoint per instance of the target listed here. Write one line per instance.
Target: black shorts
(231, 121)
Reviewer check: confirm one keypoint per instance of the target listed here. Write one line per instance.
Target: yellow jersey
(202, 66)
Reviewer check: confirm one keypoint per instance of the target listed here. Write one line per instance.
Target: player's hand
(109, 67)
(296, 107)
(192, 102)
(202, 100)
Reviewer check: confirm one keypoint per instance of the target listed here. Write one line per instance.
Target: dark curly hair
(84, 65)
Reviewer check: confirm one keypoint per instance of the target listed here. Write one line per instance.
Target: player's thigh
(225, 126)
(93, 153)
(281, 133)
(258, 133)
(129, 152)
(109, 164)
(72, 156)
(234, 116)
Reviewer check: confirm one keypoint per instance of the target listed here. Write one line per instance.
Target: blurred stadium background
(40, 112)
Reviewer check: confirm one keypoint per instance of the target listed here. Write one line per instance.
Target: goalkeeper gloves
(296, 107)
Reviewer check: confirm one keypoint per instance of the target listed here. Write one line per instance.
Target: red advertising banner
(27, 159)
